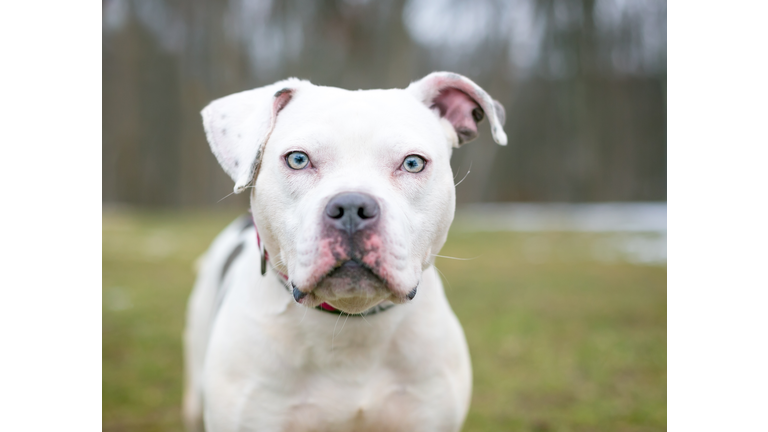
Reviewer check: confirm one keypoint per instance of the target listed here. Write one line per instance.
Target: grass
(558, 343)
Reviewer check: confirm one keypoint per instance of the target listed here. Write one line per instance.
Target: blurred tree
(583, 82)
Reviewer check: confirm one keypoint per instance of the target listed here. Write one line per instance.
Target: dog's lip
(351, 264)
(298, 295)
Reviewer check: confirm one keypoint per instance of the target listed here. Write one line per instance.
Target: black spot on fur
(231, 259)
(247, 222)
(281, 91)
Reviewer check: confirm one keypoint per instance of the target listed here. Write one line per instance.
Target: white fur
(264, 362)
(238, 126)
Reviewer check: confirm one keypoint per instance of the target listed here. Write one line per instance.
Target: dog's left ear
(462, 102)
(238, 127)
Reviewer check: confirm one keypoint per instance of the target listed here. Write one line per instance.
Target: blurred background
(564, 301)
(583, 83)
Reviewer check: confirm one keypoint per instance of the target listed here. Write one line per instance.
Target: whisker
(363, 316)
(334, 331)
(454, 258)
(345, 323)
(443, 275)
(465, 175)
(231, 193)
(303, 316)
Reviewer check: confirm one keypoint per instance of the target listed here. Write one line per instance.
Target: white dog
(324, 312)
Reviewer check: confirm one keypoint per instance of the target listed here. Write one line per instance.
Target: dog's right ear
(238, 127)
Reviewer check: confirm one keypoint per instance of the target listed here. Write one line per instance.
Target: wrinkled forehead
(362, 120)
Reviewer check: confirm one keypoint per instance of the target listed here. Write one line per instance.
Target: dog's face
(354, 192)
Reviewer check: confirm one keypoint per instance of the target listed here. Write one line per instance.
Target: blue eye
(297, 160)
(414, 164)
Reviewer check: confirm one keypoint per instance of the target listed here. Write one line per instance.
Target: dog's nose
(351, 211)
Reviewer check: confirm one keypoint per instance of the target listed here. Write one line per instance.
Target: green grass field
(559, 343)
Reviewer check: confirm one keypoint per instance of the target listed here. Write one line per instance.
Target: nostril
(336, 212)
(351, 211)
(367, 212)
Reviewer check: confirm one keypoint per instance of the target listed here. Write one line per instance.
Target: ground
(559, 342)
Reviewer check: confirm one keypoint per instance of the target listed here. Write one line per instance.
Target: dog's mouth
(352, 287)
(353, 269)
(352, 273)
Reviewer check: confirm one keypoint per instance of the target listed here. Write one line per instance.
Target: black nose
(351, 211)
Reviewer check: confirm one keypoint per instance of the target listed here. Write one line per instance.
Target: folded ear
(238, 127)
(462, 102)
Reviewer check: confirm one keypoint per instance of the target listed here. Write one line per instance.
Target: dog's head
(352, 191)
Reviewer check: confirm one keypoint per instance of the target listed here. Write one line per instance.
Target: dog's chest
(374, 407)
(309, 370)
(321, 402)
(379, 388)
